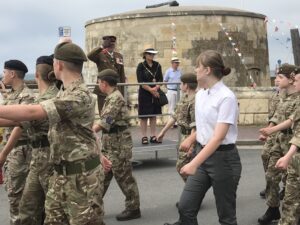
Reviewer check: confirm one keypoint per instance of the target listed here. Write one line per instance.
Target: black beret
(45, 60)
(69, 52)
(189, 78)
(15, 65)
(108, 73)
(286, 69)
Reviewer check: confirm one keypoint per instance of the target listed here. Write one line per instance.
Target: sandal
(145, 141)
(153, 139)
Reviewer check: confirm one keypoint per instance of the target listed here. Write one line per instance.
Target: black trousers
(221, 171)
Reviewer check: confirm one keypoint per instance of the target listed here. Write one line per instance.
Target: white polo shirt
(216, 105)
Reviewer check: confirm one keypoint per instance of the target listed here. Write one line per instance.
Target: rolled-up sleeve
(51, 110)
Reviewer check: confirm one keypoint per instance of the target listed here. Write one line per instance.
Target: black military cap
(69, 52)
(286, 69)
(189, 78)
(109, 37)
(15, 65)
(45, 60)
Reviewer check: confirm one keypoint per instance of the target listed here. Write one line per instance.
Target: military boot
(129, 215)
(271, 214)
(262, 194)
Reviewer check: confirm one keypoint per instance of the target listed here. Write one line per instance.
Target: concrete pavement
(160, 187)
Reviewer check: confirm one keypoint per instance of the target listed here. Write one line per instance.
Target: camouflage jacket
(185, 112)
(114, 112)
(296, 128)
(71, 115)
(286, 107)
(273, 102)
(39, 128)
(23, 95)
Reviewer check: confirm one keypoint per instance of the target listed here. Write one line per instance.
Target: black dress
(145, 73)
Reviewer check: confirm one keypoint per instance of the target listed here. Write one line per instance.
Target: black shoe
(177, 204)
(176, 223)
(281, 194)
(129, 215)
(262, 194)
(271, 214)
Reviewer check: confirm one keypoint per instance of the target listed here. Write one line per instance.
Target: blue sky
(29, 28)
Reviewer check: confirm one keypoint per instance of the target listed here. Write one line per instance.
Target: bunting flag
(238, 52)
(279, 30)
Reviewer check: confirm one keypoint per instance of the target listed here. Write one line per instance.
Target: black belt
(22, 142)
(115, 129)
(70, 168)
(41, 142)
(287, 131)
(223, 147)
(172, 89)
(185, 131)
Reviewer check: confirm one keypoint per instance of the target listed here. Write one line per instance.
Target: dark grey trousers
(222, 171)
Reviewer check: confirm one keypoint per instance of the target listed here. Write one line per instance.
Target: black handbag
(162, 100)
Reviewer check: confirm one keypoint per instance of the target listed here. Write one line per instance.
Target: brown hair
(46, 73)
(213, 59)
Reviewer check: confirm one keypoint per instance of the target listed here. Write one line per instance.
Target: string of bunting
(237, 51)
(173, 34)
(278, 31)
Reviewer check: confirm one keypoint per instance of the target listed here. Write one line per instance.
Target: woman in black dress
(148, 71)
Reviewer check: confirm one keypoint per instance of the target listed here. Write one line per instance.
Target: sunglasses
(150, 53)
(110, 39)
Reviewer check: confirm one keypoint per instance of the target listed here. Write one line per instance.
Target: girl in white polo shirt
(217, 164)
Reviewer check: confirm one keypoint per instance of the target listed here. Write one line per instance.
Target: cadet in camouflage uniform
(291, 201)
(76, 188)
(106, 58)
(33, 198)
(291, 161)
(269, 141)
(17, 164)
(185, 117)
(117, 143)
(41, 169)
(286, 108)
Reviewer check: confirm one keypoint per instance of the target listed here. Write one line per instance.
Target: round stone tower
(240, 36)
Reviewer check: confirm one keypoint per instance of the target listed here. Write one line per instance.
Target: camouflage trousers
(16, 170)
(291, 202)
(274, 175)
(117, 147)
(36, 187)
(265, 154)
(75, 199)
(122, 171)
(182, 159)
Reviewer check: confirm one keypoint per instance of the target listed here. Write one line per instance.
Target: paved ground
(160, 187)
